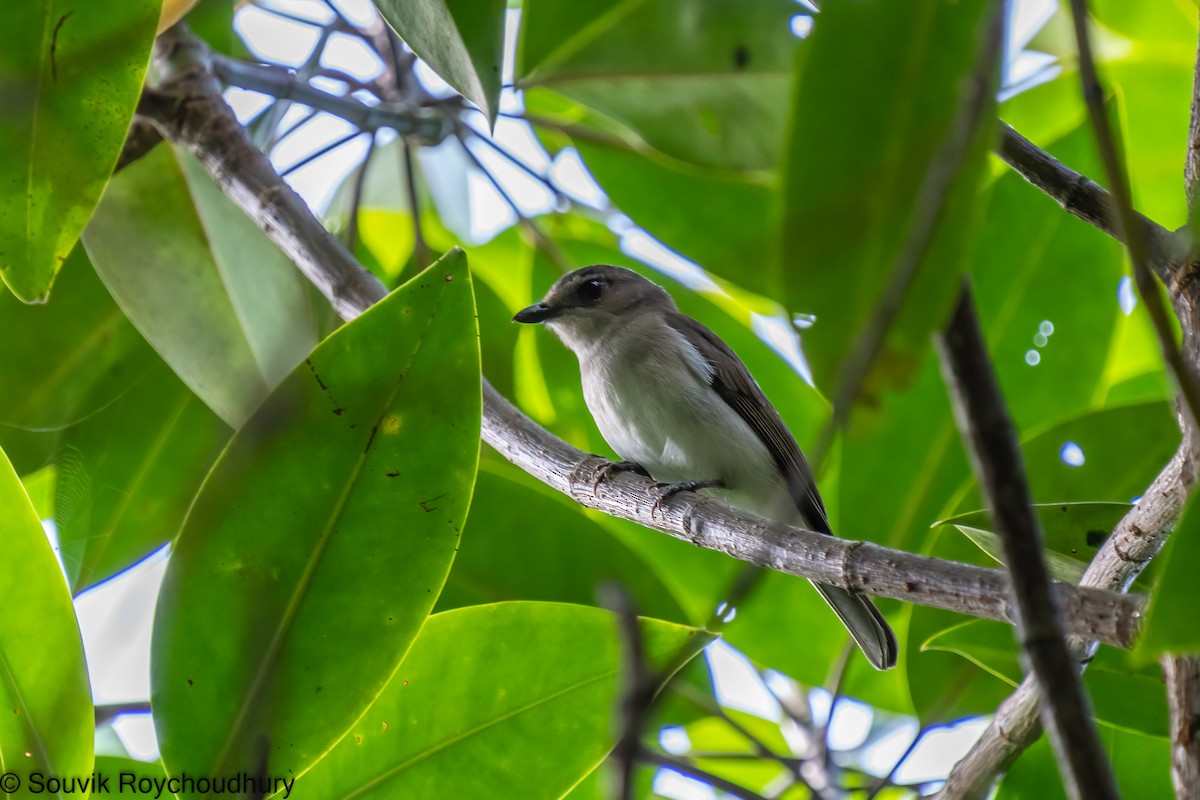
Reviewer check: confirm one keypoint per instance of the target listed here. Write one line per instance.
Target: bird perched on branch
(678, 405)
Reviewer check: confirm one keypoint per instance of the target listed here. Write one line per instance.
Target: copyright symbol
(10, 782)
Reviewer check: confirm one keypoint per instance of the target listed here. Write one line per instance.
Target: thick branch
(1082, 197)
(991, 437)
(205, 125)
(1182, 674)
(1138, 537)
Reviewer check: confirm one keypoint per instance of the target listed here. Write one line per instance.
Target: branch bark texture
(1182, 674)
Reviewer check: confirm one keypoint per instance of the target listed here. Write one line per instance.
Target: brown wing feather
(733, 382)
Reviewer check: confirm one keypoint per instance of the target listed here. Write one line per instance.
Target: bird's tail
(866, 625)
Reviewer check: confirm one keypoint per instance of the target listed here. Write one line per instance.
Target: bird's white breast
(650, 396)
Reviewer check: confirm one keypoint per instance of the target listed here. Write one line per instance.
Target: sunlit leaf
(850, 192)
(504, 700)
(705, 82)
(46, 724)
(321, 538)
(70, 73)
(462, 40)
(220, 302)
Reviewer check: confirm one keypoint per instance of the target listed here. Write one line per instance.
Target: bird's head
(585, 306)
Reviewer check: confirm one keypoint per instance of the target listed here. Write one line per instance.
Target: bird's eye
(590, 291)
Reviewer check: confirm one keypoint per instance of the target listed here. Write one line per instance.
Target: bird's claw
(602, 472)
(666, 491)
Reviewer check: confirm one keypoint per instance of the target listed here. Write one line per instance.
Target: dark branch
(991, 440)
(684, 767)
(1082, 197)
(1128, 223)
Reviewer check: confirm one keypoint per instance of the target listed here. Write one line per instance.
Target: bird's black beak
(538, 312)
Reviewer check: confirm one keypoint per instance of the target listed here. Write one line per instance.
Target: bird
(675, 403)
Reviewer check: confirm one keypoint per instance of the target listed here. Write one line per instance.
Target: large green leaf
(462, 40)
(1071, 533)
(1122, 695)
(564, 555)
(47, 722)
(725, 222)
(71, 357)
(321, 538)
(704, 81)
(504, 700)
(1142, 765)
(872, 107)
(1035, 302)
(1171, 621)
(127, 474)
(219, 301)
(70, 73)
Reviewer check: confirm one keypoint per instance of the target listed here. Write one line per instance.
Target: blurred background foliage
(761, 161)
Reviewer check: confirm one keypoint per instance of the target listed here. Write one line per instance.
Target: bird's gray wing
(733, 382)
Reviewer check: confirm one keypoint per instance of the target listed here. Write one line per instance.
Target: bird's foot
(609, 468)
(666, 491)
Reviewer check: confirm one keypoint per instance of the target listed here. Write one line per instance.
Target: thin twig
(763, 751)
(641, 685)
(1182, 675)
(428, 126)
(991, 438)
(685, 767)
(321, 151)
(109, 712)
(356, 193)
(420, 249)
(1128, 223)
(887, 780)
(931, 202)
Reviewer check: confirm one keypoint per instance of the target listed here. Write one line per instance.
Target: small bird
(678, 405)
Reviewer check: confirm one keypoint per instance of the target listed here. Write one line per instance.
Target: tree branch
(685, 767)
(190, 110)
(407, 120)
(991, 439)
(1138, 537)
(1082, 197)
(1182, 674)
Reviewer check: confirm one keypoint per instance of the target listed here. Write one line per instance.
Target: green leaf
(1071, 533)
(321, 538)
(1122, 695)
(1142, 765)
(504, 700)
(219, 301)
(723, 221)
(1171, 622)
(1024, 266)
(702, 81)
(127, 475)
(461, 40)
(46, 717)
(849, 191)
(1123, 449)
(71, 73)
(72, 357)
(564, 557)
